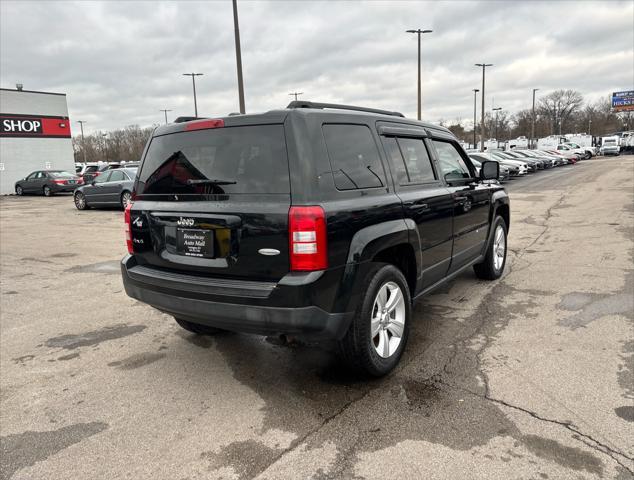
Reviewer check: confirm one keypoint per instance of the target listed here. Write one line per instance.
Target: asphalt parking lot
(530, 377)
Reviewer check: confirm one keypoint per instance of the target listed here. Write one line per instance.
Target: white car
(610, 146)
(587, 152)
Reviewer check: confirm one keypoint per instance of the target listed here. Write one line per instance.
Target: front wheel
(197, 327)
(588, 156)
(80, 201)
(378, 333)
(47, 191)
(495, 259)
(19, 190)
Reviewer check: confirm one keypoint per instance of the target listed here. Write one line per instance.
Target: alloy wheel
(126, 199)
(19, 190)
(47, 191)
(499, 248)
(388, 320)
(80, 201)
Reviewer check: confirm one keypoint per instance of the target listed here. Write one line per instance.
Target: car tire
(80, 201)
(371, 328)
(588, 156)
(197, 328)
(47, 191)
(126, 198)
(495, 259)
(19, 190)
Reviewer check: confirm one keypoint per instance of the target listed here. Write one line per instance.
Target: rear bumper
(64, 188)
(250, 307)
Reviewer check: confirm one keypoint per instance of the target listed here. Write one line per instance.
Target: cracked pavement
(529, 377)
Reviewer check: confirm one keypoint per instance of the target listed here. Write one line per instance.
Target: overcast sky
(121, 62)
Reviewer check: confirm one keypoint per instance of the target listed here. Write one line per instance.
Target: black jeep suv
(318, 221)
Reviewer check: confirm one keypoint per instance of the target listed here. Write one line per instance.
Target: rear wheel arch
(402, 256)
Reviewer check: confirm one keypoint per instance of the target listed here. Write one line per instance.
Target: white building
(34, 135)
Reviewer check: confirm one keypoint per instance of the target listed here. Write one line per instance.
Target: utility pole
(296, 94)
(475, 103)
(497, 110)
(236, 29)
(83, 143)
(194, 75)
(419, 32)
(484, 66)
(590, 126)
(165, 112)
(533, 121)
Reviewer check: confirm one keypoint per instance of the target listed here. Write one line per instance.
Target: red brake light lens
(128, 231)
(204, 124)
(307, 238)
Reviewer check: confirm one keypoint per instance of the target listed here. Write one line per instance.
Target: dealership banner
(623, 101)
(44, 126)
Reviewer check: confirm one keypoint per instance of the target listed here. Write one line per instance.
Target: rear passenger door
(471, 201)
(111, 190)
(426, 200)
(95, 192)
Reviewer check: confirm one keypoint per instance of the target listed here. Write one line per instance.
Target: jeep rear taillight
(128, 229)
(307, 238)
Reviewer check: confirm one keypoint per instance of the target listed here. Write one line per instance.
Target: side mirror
(489, 170)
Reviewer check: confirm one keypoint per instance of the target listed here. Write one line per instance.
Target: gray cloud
(120, 62)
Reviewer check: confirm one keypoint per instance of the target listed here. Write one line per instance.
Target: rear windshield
(61, 174)
(236, 160)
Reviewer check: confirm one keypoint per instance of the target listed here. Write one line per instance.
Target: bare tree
(118, 145)
(559, 106)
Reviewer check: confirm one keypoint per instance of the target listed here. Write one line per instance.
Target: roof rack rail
(305, 104)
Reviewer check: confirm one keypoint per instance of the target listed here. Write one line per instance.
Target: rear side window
(232, 160)
(354, 157)
(417, 163)
(116, 176)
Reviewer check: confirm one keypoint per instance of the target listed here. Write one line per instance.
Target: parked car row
(109, 187)
(522, 162)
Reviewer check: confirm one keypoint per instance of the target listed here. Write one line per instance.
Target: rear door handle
(420, 206)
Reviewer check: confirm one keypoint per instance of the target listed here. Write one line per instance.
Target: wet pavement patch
(626, 412)
(568, 457)
(70, 356)
(109, 267)
(247, 458)
(70, 342)
(137, 361)
(26, 449)
(64, 255)
(591, 307)
(23, 359)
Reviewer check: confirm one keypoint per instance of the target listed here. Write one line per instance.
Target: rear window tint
(354, 158)
(232, 160)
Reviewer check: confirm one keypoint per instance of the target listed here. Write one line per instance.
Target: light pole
(165, 112)
(475, 103)
(497, 110)
(296, 94)
(590, 126)
(194, 75)
(419, 32)
(533, 120)
(83, 143)
(484, 66)
(236, 30)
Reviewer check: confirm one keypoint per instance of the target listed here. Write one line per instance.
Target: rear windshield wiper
(210, 181)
